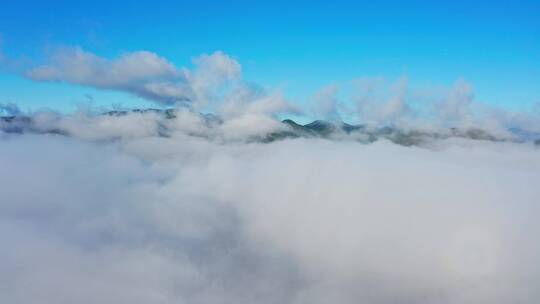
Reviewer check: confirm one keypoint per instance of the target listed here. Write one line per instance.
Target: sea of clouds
(111, 211)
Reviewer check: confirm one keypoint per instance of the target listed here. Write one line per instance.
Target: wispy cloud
(216, 83)
(141, 73)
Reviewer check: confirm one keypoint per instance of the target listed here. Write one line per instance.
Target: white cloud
(212, 72)
(379, 105)
(141, 73)
(455, 108)
(216, 83)
(141, 209)
(326, 103)
(186, 220)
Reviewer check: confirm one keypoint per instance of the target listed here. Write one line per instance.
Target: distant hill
(316, 129)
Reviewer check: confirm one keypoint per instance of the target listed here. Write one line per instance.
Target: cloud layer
(176, 206)
(117, 213)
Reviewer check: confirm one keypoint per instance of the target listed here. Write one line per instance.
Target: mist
(400, 195)
(112, 211)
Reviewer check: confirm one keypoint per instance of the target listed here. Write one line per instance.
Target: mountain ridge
(315, 129)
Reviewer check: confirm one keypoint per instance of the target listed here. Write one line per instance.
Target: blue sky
(297, 47)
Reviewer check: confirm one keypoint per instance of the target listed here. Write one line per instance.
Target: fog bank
(116, 213)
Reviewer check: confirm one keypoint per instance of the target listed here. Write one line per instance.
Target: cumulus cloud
(216, 83)
(142, 73)
(213, 71)
(383, 103)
